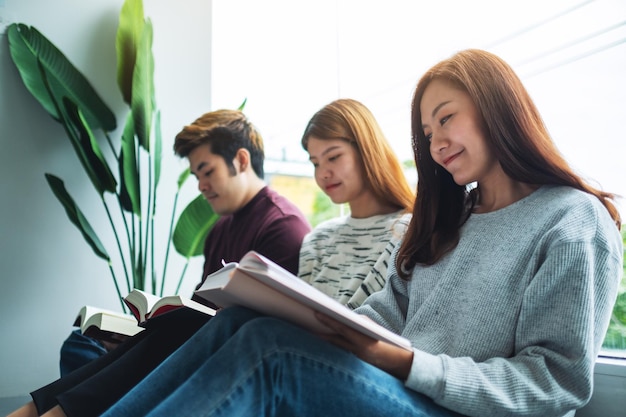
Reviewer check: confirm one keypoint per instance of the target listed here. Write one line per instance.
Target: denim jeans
(244, 364)
(77, 350)
(94, 387)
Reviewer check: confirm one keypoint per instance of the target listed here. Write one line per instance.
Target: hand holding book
(260, 284)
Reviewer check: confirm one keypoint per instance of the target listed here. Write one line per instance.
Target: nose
(437, 142)
(203, 185)
(322, 172)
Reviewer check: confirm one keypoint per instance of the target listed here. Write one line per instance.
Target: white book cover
(260, 284)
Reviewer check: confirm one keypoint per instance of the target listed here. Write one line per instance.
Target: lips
(449, 159)
(331, 187)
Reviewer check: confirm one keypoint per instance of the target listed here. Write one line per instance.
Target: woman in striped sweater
(347, 257)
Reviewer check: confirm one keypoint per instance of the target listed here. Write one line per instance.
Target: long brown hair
(350, 120)
(515, 131)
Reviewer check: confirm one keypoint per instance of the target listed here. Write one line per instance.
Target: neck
(494, 198)
(255, 185)
(367, 206)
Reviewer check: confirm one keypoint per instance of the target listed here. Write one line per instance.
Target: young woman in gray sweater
(504, 284)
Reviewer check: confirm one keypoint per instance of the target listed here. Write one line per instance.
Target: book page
(173, 302)
(114, 324)
(140, 303)
(300, 296)
(262, 285)
(101, 323)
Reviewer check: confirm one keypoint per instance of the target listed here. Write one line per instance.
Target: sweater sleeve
(309, 253)
(542, 364)
(563, 318)
(388, 306)
(376, 277)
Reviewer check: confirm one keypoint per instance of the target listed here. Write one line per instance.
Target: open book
(258, 283)
(103, 324)
(145, 306)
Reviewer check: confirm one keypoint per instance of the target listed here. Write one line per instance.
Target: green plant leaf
(87, 148)
(192, 227)
(158, 149)
(129, 32)
(139, 280)
(183, 177)
(243, 104)
(130, 188)
(142, 102)
(26, 46)
(81, 137)
(76, 216)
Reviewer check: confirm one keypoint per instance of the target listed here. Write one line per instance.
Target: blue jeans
(77, 350)
(244, 364)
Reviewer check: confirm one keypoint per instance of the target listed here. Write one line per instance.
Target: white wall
(47, 271)
(571, 56)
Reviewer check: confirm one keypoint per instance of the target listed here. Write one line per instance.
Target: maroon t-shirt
(269, 224)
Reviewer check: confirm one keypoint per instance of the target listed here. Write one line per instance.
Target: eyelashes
(442, 121)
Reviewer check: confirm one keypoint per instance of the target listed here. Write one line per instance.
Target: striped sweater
(347, 258)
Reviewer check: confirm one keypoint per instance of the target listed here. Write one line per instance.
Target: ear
(242, 157)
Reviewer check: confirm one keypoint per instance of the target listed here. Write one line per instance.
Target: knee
(269, 330)
(256, 329)
(78, 350)
(226, 322)
(235, 314)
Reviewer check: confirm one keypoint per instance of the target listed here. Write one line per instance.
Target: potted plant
(128, 187)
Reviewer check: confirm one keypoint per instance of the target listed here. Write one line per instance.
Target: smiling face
(338, 170)
(226, 191)
(452, 124)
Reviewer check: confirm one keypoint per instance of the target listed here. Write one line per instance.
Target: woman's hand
(391, 359)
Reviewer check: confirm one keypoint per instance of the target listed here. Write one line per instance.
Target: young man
(225, 153)
(227, 159)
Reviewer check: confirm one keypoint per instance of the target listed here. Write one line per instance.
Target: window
(291, 58)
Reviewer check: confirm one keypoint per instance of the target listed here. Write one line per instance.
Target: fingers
(337, 327)
(344, 336)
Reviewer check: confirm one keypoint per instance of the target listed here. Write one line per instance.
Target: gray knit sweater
(347, 258)
(510, 322)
